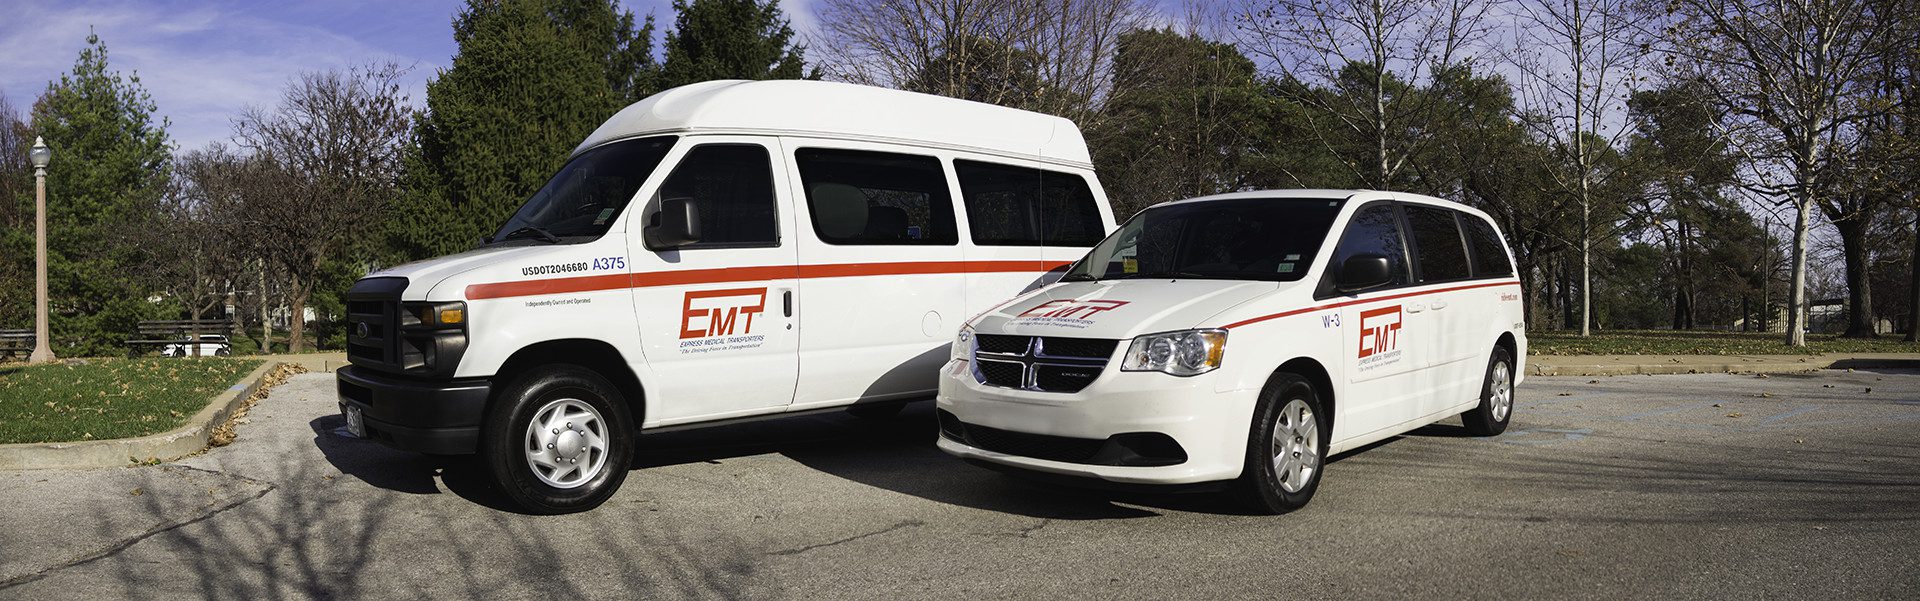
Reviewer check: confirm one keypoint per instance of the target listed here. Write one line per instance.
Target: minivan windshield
(1271, 239)
(585, 197)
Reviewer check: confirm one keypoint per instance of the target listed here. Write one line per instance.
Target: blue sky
(204, 61)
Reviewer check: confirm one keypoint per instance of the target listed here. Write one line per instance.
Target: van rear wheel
(1496, 397)
(558, 439)
(1286, 447)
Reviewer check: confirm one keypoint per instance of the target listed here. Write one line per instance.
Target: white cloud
(202, 66)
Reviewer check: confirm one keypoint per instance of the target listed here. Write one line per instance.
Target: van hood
(1119, 309)
(424, 276)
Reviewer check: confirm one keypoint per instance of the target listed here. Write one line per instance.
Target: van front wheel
(558, 439)
(1286, 446)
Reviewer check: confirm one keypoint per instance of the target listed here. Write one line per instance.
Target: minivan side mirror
(676, 225)
(1361, 272)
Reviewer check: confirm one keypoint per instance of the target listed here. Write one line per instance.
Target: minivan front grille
(1039, 363)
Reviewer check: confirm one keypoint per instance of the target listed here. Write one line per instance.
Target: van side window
(1022, 206)
(1442, 255)
(1374, 230)
(861, 197)
(734, 186)
(1489, 255)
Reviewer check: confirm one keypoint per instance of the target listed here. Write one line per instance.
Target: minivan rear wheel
(558, 439)
(1286, 446)
(1496, 397)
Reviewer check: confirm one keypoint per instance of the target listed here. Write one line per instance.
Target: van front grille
(1040, 363)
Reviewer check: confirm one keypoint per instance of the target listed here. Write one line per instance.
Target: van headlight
(1182, 353)
(962, 344)
(433, 336)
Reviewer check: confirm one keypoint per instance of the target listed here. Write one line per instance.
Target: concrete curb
(1624, 365)
(165, 446)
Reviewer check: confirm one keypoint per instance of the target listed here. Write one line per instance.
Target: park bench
(153, 334)
(16, 344)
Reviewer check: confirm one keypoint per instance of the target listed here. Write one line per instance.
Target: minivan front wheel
(1286, 446)
(1490, 417)
(558, 439)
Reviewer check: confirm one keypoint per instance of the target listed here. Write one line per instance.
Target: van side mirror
(676, 225)
(1361, 272)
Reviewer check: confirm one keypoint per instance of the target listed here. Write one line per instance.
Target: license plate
(356, 425)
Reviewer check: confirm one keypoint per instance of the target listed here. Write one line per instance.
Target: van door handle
(1438, 305)
(1415, 307)
(786, 302)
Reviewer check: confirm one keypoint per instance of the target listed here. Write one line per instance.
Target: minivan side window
(1374, 229)
(1439, 250)
(864, 197)
(1489, 255)
(1023, 206)
(733, 184)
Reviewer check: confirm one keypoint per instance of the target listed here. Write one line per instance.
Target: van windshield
(1272, 239)
(585, 197)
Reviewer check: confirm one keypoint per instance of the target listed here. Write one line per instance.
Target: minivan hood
(1119, 309)
(423, 276)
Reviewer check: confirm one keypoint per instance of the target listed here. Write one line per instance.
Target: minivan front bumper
(1110, 418)
(435, 417)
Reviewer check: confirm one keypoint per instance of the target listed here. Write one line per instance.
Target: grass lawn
(109, 398)
(1671, 342)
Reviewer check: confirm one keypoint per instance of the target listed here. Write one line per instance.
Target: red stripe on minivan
(1359, 301)
(747, 274)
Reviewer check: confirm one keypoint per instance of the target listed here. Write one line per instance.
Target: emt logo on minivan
(1379, 331)
(708, 313)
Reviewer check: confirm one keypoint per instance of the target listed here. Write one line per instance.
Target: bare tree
(333, 147)
(1791, 73)
(1052, 56)
(197, 258)
(1373, 52)
(1577, 69)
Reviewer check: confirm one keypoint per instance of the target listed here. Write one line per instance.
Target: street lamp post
(40, 155)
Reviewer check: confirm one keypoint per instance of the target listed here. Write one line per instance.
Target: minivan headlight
(962, 344)
(1182, 353)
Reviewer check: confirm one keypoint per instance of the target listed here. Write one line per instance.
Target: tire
(223, 353)
(1496, 397)
(594, 427)
(1281, 471)
(876, 410)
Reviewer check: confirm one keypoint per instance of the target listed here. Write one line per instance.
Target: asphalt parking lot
(1715, 486)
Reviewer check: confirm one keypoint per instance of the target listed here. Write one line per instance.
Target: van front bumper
(435, 417)
(1116, 423)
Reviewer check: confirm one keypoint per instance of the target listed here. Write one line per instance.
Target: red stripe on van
(746, 274)
(1364, 301)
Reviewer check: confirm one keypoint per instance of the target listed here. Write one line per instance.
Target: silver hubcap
(1296, 446)
(1500, 395)
(566, 443)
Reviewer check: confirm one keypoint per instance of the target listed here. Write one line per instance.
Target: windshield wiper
(1078, 277)
(532, 231)
(1169, 275)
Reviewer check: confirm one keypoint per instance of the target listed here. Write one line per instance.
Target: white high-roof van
(719, 251)
(1242, 339)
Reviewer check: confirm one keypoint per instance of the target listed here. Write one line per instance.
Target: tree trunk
(297, 318)
(266, 313)
(1797, 297)
(1913, 286)
(1853, 243)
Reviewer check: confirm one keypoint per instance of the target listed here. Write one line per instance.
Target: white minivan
(720, 251)
(1241, 339)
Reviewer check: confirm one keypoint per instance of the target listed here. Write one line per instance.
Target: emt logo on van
(1068, 313)
(1379, 336)
(718, 320)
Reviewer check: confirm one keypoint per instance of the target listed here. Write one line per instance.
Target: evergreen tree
(111, 162)
(731, 39)
(531, 79)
